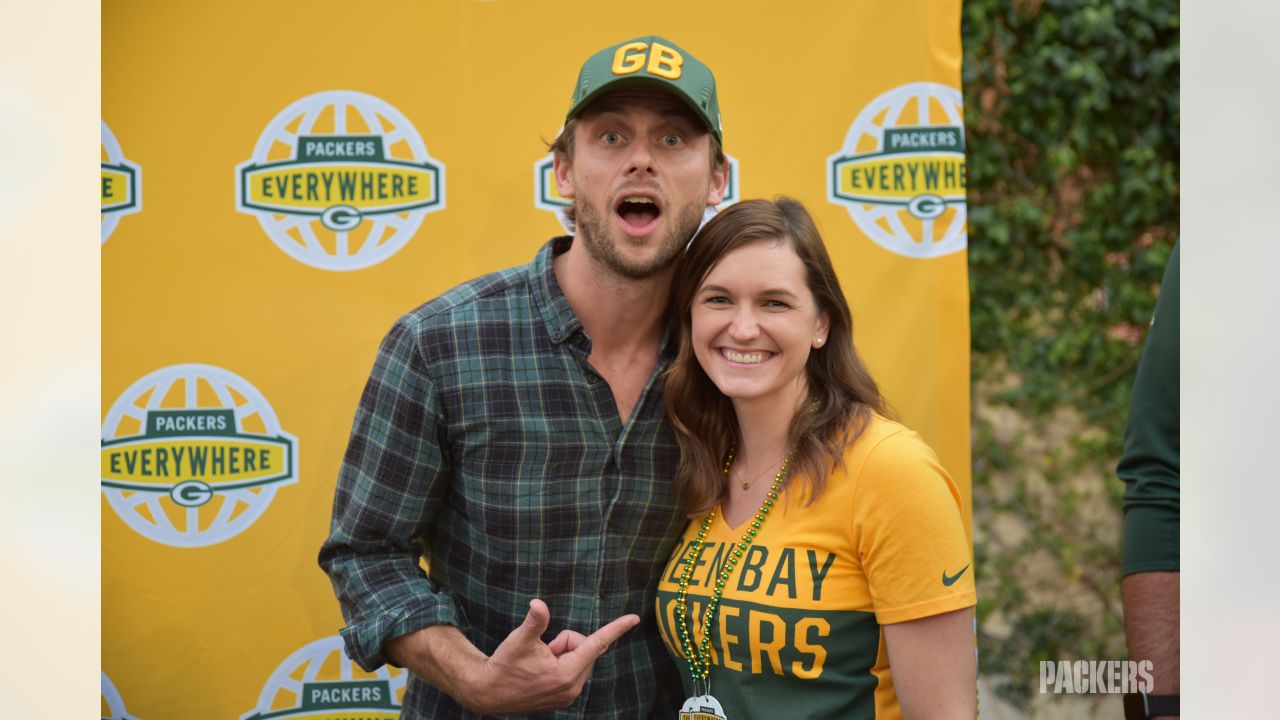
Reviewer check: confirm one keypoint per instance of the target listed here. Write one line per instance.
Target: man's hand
(524, 674)
(527, 675)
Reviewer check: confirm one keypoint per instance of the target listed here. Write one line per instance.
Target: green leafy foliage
(1072, 137)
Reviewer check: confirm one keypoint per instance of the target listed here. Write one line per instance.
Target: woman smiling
(823, 573)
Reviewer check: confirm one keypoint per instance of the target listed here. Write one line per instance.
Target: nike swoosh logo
(949, 581)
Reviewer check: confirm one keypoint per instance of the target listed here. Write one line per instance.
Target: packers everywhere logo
(901, 172)
(319, 682)
(340, 180)
(545, 196)
(192, 455)
(121, 184)
(112, 704)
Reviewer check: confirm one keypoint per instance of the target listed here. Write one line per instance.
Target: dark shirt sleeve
(393, 476)
(1149, 466)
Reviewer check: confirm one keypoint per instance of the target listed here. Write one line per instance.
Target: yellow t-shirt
(798, 633)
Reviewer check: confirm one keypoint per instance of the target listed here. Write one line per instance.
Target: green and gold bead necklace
(700, 662)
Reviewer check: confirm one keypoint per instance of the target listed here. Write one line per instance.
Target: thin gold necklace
(700, 661)
(746, 485)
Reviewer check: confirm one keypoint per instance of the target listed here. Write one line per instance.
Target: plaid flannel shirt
(486, 443)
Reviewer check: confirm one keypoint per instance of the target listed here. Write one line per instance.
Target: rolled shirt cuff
(364, 639)
(1151, 534)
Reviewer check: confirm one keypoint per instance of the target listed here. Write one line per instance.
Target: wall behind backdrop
(281, 181)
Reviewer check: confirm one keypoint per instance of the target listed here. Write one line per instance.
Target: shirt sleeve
(1150, 464)
(393, 476)
(909, 532)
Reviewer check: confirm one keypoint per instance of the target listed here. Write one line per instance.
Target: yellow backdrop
(312, 170)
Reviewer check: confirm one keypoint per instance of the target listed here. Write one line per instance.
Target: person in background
(826, 570)
(512, 434)
(1149, 469)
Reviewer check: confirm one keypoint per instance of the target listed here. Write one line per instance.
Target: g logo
(191, 493)
(340, 217)
(927, 207)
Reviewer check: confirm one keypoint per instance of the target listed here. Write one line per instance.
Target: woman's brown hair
(844, 393)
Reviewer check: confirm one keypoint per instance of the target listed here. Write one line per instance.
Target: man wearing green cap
(512, 435)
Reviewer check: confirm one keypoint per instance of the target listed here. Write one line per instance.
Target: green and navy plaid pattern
(485, 442)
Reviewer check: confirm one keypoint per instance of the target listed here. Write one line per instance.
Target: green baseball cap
(655, 62)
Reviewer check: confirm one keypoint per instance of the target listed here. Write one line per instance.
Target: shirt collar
(561, 321)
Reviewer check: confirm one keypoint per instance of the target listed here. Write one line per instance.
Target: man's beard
(593, 228)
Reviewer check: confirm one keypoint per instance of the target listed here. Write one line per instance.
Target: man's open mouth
(638, 212)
